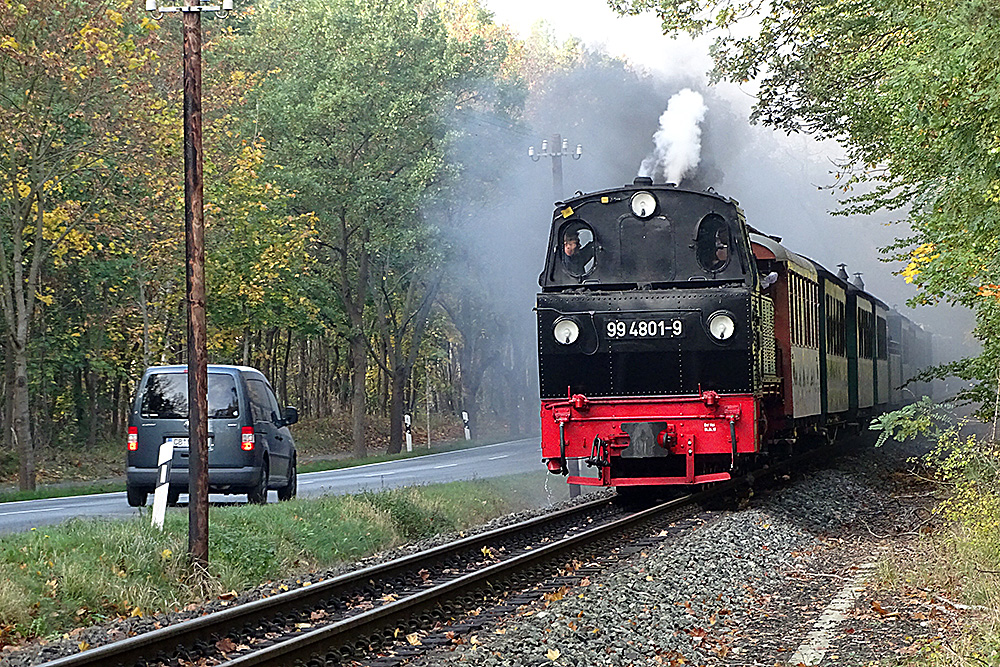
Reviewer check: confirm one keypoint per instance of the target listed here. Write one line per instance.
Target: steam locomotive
(677, 344)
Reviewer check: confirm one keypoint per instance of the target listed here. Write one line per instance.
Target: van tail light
(133, 438)
(247, 444)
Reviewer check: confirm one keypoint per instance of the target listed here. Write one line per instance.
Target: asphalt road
(506, 458)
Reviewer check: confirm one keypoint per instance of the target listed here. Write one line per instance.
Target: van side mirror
(291, 415)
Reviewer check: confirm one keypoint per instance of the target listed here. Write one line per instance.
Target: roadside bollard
(409, 433)
(465, 420)
(162, 482)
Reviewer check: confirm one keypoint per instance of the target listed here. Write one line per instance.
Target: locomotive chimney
(642, 180)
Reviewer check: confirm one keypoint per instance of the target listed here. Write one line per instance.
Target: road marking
(449, 465)
(817, 642)
(47, 509)
(381, 474)
(494, 458)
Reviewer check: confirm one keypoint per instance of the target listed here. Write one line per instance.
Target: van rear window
(165, 396)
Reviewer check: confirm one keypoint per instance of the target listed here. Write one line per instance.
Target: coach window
(576, 249)
(713, 243)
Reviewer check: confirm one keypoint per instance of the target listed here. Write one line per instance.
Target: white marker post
(409, 433)
(162, 482)
(465, 420)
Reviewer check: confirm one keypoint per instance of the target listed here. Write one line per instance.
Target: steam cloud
(677, 144)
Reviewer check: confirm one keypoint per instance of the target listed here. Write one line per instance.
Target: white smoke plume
(677, 144)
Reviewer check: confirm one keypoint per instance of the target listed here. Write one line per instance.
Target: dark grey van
(250, 449)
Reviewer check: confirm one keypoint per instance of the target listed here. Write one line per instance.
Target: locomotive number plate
(619, 329)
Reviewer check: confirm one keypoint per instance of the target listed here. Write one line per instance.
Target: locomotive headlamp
(721, 326)
(566, 331)
(643, 205)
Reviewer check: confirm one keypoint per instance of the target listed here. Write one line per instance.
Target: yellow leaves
(116, 18)
(919, 258)
(553, 654)
(8, 42)
(166, 554)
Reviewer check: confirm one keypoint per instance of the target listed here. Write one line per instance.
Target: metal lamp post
(194, 232)
(560, 150)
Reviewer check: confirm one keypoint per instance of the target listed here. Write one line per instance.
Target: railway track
(342, 616)
(359, 614)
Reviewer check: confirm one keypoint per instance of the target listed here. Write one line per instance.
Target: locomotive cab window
(576, 249)
(713, 243)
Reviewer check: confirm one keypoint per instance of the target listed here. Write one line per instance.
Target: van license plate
(183, 442)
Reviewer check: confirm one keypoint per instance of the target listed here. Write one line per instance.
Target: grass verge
(960, 572)
(957, 567)
(89, 571)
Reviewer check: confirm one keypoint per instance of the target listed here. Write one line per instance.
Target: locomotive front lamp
(566, 331)
(643, 205)
(721, 326)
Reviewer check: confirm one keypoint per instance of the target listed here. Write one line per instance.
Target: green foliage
(925, 418)
(971, 466)
(411, 515)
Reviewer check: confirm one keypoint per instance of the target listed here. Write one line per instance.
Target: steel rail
(355, 631)
(211, 627)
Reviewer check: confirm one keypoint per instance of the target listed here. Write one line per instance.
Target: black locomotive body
(674, 344)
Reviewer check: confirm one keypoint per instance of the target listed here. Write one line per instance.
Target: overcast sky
(639, 38)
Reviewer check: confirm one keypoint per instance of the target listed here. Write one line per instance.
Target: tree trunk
(22, 420)
(300, 392)
(8, 398)
(397, 406)
(359, 373)
(92, 384)
(246, 346)
(116, 413)
(144, 310)
(284, 370)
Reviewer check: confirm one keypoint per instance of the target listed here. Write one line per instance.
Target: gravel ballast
(742, 587)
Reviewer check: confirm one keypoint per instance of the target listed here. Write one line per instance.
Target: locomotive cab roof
(647, 236)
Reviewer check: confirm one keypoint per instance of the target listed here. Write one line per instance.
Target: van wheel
(173, 495)
(137, 497)
(288, 491)
(257, 494)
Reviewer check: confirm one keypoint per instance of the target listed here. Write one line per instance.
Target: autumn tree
(65, 70)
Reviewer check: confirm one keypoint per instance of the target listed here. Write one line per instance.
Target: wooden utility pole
(194, 232)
